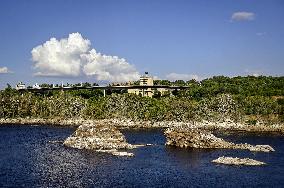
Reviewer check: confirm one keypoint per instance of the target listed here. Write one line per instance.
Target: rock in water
(264, 148)
(97, 137)
(237, 161)
(194, 138)
(198, 138)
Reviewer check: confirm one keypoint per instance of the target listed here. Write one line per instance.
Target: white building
(145, 80)
(20, 85)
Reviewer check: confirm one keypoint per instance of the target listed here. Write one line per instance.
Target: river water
(28, 159)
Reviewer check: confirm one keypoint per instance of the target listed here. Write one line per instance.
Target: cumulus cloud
(110, 68)
(74, 57)
(60, 57)
(4, 70)
(243, 16)
(185, 77)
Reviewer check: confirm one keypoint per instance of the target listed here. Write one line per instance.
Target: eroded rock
(98, 137)
(198, 138)
(237, 161)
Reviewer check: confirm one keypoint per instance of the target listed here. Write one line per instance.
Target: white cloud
(4, 70)
(60, 57)
(185, 77)
(73, 56)
(243, 16)
(109, 68)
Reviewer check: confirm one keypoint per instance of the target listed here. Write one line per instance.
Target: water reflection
(187, 157)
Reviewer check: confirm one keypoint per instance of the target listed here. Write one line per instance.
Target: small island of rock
(199, 138)
(102, 138)
(237, 161)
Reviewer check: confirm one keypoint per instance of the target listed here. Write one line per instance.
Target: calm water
(28, 159)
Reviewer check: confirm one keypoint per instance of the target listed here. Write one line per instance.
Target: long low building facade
(146, 88)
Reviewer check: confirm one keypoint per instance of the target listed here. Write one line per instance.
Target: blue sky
(170, 39)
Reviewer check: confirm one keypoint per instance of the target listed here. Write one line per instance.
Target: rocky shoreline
(227, 125)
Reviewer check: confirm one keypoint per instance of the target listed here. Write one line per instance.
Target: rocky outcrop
(237, 161)
(102, 138)
(198, 138)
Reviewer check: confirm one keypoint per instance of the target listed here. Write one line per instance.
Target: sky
(51, 41)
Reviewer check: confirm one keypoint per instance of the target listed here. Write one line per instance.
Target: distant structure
(36, 86)
(145, 80)
(20, 85)
(145, 88)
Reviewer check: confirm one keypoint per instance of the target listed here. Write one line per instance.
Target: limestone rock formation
(237, 161)
(198, 138)
(104, 138)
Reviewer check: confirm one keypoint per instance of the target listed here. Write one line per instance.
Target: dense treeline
(245, 86)
(247, 99)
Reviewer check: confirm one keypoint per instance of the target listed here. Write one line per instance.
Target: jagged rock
(237, 161)
(264, 148)
(195, 138)
(198, 138)
(97, 137)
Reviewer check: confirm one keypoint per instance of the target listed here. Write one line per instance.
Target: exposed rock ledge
(227, 125)
(237, 161)
(101, 138)
(197, 138)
